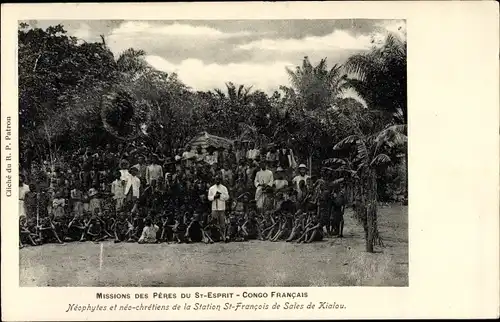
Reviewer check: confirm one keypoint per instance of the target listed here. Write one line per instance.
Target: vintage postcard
(250, 160)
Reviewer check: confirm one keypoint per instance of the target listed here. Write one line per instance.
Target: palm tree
(316, 87)
(368, 145)
(379, 77)
(131, 62)
(240, 95)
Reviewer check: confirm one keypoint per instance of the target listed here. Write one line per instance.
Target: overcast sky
(207, 53)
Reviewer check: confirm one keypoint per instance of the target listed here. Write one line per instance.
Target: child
(47, 226)
(138, 224)
(118, 190)
(180, 230)
(298, 227)
(269, 226)
(212, 232)
(121, 228)
(302, 193)
(25, 234)
(227, 175)
(313, 231)
(58, 204)
(149, 232)
(194, 230)
(285, 228)
(94, 201)
(232, 229)
(168, 223)
(250, 227)
(86, 202)
(94, 230)
(241, 231)
(108, 222)
(77, 199)
(241, 203)
(76, 228)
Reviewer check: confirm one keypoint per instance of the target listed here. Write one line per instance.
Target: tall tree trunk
(371, 212)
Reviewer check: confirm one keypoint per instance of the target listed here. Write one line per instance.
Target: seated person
(149, 232)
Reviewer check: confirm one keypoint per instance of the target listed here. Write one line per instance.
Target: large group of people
(198, 194)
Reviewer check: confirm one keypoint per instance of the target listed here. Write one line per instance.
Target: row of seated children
(167, 227)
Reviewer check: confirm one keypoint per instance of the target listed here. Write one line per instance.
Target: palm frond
(335, 161)
(381, 158)
(348, 140)
(359, 65)
(392, 135)
(362, 151)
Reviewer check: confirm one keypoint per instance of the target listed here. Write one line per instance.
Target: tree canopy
(73, 93)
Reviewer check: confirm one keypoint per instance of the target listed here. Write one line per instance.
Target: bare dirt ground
(333, 262)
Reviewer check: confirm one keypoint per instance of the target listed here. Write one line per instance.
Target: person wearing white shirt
(148, 235)
(118, 191)
(211, 157)
(280, 182)
(124, 174)
(302, 176)
(218, 195)
(263, 179)
(23, 190)
(132, 189)
(154, 171)
(188, 157)
(252, 153)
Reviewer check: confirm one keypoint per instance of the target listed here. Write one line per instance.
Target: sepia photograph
(213, 153)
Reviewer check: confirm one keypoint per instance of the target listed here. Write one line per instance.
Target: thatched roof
(205, 140)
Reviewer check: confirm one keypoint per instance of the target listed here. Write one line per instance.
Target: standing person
(285, 158)
(77, 199)
(188, 156)
(154, 171)
(229, 157)
(220, 155)
(179, 153)
(124, 173)
(218, 195)
(23, 190)
(227, 175)
(263, 180)
(280, 184)
(132, 188)
(250, 172)
(302, 176)
(30, 202)
(319, 199)
(200, 156)
(95, 200)
(238, 151)
(252, 152)
(118, 191)
(211, 157)
(272, 157)
(141, 166)
(338, 208)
